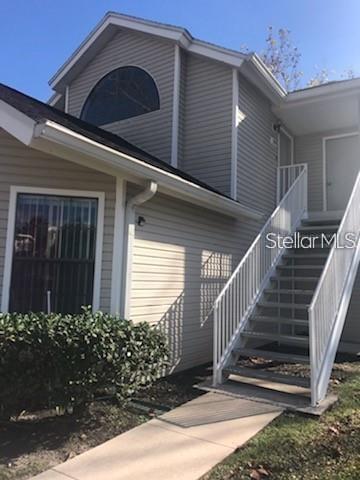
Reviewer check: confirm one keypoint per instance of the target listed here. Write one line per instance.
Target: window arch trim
(95, 85)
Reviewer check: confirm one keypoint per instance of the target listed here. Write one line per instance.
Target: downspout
(130, 211)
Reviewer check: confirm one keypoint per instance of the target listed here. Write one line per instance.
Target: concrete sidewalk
(183, 444)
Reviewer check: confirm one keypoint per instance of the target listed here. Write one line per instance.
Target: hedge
(65, 360)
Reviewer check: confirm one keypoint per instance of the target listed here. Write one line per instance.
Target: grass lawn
(296, 447)
(30, 447)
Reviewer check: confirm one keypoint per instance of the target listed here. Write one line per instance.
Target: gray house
(151, 184)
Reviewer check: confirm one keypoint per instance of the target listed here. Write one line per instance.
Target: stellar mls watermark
(346, 240)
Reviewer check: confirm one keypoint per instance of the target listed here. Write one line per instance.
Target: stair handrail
(238, 297)
(331, 299)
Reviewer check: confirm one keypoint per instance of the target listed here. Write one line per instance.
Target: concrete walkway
(183, 444)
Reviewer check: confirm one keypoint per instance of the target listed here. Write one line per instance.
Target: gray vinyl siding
(308, 149)
(20, 165)
(151, 131)
(257, 157)
(206, 122)
(182, 258)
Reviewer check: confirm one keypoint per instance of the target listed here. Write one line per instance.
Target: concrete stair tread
(288, 291)
(305, 255)
(269, 355)
(317, 221)
(302, 306)
(275, 337)
(294, 279)
(318, 228)
(286, 320)
(300, 267)
(267, 375)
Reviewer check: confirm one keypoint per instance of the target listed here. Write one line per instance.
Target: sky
(37, 36)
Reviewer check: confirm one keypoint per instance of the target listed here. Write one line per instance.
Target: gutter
(130, 211)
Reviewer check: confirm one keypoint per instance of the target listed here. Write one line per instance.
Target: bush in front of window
(62, 361)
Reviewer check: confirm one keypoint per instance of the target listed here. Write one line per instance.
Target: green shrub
(62, 360)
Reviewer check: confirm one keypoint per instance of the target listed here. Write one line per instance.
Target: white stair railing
(238, 298)
(286, 177)
(331, 299)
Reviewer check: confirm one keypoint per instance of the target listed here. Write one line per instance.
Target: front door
(53, 253)
(342, 157)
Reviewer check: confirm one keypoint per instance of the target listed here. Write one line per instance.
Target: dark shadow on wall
(188, 322)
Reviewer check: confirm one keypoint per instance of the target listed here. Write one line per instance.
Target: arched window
(123, 93)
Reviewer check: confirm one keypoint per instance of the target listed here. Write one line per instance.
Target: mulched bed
(32, 446)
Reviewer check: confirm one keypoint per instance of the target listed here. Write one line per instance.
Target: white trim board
(234, 133)
(118, 247)
(10, 233)
(323, 147)
(292, 146)
(176, 108)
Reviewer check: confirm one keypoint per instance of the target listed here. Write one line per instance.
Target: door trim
(324, 140)
(10, 233)
(292, 149)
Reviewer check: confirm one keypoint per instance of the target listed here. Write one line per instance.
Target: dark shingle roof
(40, 111)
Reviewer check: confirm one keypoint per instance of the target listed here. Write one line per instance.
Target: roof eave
(108, 26)
(56, 139)
(121, 162)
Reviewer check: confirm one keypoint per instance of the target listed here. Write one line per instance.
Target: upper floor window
(123, 93)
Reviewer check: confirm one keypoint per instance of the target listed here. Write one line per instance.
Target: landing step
(305, 255)
(269, 355)
(295, 306)
(317, 221)
(300, 267)
(318, 228)
(293, 321)
(290, 401)
(274, 337)
(295, 279)
(288, 291)
(267, 375)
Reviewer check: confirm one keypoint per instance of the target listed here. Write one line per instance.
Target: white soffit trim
(16, 123)
(322, 92)
(54, 99)
(169, 182)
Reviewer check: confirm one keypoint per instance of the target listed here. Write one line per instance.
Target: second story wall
(256, 153)
(205, 121)
(151, 131)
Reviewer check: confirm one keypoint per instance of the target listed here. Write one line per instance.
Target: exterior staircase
(285, 306)
(278, 329)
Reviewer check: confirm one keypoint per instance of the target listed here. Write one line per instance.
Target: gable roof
(250, 64)
(41, 113)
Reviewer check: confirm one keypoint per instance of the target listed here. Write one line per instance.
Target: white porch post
(118, 247)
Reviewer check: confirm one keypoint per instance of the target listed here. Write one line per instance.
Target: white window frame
(324, 170)
(10, 234)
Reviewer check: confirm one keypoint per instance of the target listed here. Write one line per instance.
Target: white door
(342, 158)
